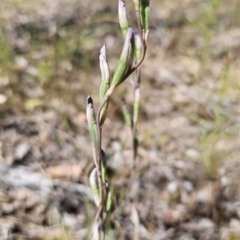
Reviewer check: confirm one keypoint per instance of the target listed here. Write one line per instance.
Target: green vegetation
(133, 54)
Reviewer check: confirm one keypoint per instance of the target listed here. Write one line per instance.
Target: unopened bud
(93, 179)
(128, 47)
(91, 119)
(122, 14)
(97, 230)
(90, 110)
(126, 59)
(105, 84)
(104, 71)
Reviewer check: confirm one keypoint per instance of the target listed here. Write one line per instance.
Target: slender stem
(99, 161)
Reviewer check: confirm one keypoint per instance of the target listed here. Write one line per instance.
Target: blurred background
(186, 183)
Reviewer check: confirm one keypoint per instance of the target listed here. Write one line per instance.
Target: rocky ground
(186, 182)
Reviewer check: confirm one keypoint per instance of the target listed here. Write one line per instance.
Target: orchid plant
(132, 56)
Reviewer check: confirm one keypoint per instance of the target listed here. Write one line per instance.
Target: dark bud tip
(122, 3)
(89, 100)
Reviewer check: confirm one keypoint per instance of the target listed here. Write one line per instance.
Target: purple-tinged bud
(103, 51)
(105, 72)
(126, 59)
(91, 119)
(97, 230)
(90, 110)
(105, 84)
(128, 48)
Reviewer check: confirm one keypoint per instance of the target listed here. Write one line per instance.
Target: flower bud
(104, 71)
(97, 230)
(91, 119)
(122, 15)
(128, 47)
(105, 84)
(126, 59)
(93, 179)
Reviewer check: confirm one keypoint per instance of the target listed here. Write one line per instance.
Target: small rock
(21, 63)
(166, 173)
(22, 19)
(204, 196)
(69, 220)
(134, 190)
(32, 71)
(181, 94)
(22, 194)
(65, 172)
(4, 81)
(3, 98)
(178, 122)
(21, 151)
(192, 154)
(174, 216)
(205, 223)
(172, 187)
(180, 98)
(20, 45)
(187, 186)
(225, 181)
(53, 216)
(5, 228)
(7, 208)
(234, 224)
(180, 164)
(32, 202)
